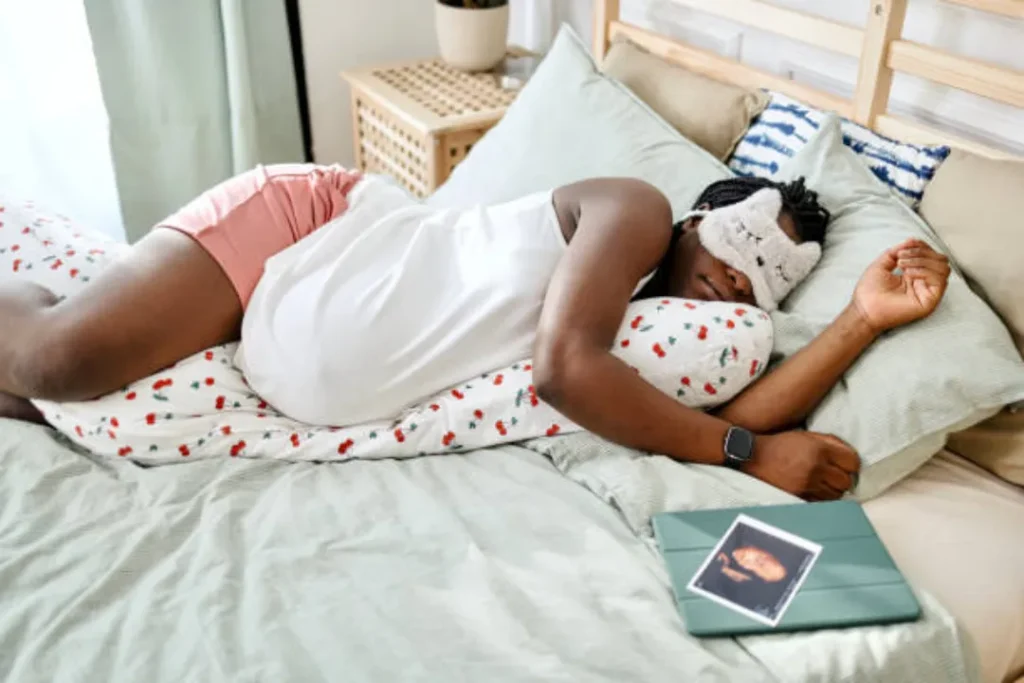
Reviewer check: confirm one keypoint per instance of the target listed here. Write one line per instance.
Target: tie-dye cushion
(786, 125)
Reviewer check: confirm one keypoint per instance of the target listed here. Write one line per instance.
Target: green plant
(475, 4)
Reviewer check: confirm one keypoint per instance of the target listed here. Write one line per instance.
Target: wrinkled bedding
(493, 565)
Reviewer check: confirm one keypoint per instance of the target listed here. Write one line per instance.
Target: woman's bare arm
(883, 300)
(623, 228)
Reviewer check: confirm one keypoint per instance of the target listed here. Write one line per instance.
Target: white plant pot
(472, 39)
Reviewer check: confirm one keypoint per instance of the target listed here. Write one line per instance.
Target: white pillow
(569, 123)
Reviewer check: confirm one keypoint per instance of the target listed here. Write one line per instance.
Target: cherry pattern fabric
(700, 353)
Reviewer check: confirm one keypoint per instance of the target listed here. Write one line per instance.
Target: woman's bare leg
(165, 300)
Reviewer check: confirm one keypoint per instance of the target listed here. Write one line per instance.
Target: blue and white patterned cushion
(786, 125)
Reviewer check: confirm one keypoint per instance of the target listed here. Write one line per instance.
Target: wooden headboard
(878, 46)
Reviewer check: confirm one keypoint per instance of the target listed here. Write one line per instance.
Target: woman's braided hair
(810, 217)
(801, 203)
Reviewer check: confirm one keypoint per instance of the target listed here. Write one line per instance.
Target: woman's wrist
(854, 323)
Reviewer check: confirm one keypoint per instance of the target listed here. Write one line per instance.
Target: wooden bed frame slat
(980, 78)
(723, 69)
(874, 77)
(806, 28)
(879, 47)
(605, 12)
(919, 133)
(1008, 8)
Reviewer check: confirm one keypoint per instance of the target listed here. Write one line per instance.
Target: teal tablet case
(853, 583)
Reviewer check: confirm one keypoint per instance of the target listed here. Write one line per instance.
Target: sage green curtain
(196, 91)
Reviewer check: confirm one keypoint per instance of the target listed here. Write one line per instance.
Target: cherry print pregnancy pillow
(701, 354)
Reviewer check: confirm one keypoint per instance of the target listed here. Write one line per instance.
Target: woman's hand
(812, 466)
(886, 300)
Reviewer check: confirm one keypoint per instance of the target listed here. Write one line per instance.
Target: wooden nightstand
(416, 121)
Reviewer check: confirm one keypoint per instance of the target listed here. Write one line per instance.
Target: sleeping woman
(393, 301)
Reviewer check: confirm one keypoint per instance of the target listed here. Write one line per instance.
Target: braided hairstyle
(810, 217)
(800, 202)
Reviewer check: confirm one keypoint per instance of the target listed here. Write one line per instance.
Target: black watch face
(740, 444)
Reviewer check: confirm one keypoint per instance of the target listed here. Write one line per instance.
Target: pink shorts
(247, 219)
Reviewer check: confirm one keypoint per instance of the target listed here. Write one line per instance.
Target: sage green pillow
(915, 384)
(569, 123)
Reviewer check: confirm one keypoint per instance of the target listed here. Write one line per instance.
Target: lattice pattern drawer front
(387, 146)
(446, 91)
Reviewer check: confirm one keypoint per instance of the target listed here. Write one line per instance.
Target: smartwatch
(739, 447)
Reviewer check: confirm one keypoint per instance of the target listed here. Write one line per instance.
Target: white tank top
(393, 302)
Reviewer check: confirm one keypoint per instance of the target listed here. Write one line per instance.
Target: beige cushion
(713, 114)
(976, 206)
(954, 530)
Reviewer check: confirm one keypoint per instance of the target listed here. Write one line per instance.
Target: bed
(524, 562)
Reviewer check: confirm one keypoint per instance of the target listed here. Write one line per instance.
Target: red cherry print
(708, 388)
(237, 448)
(702, 333)
(753, 367)
(151, 419)
(344, 446)
(111, 434)
(56, 264)
(295, 440)
(686, 381)
(498, 379)
(399, 436)
(225, 430)
(624, 343)
(658, 351)
(70, 252)
(552, 430)
(500, 426)
(261, 405)
(527, 367)
(735, 353)
(161, 383)
(435, 407)
(78, 430)
(689, 305)
(636, 322)
(114, 422)
(261, 414)
(478, 414)
(15, 247)
(208, 381)
(534, 401)
(458, 394)
(448, 438)
(730, 324)
(124, 450)
(220, 403)
(183, 449)
(666, 302)
(25, 230)
(740, 312)
(73, 272)
(17, 264)
(208, 355)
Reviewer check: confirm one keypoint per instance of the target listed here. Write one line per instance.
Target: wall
(345, 34)
(934, 22)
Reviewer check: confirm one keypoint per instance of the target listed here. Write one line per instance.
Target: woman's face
(699, 275)
(760, 562)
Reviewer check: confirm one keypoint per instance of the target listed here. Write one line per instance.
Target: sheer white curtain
(54, 131)
(533, 23)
